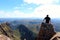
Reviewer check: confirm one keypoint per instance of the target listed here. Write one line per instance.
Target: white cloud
(52, 10)
(14, 14)
(1, 11)
(16, 8)
(41, 1)
(4, 14)
(40, 12)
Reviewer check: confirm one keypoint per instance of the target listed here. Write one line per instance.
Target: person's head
(47, 15)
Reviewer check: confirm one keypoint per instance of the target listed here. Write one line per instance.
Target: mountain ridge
(6, 30)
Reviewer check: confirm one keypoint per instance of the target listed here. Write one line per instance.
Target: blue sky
(29, 8)
(11, 5)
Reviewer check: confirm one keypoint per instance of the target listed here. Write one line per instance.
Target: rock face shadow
(26, 34)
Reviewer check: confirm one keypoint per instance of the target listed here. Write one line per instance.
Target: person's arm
(44, 20)
(50, 21)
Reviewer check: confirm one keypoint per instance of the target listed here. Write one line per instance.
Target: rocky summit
(46, 32)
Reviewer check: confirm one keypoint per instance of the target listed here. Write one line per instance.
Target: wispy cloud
(41, 1)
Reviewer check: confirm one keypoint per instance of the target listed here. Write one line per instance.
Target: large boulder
(46, 32)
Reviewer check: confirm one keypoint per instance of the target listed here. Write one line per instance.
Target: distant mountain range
(29, 22)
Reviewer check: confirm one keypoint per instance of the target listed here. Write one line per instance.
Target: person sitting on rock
(47, 19)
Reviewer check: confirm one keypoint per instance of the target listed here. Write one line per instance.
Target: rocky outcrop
(7, 31)
(46, 32)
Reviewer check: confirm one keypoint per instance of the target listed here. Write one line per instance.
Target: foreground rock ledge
(46, 32)
(3, 37)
